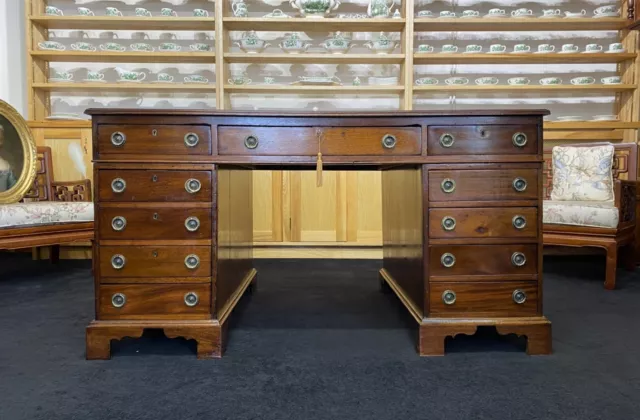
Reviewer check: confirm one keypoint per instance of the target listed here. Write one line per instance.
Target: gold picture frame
(18, 164)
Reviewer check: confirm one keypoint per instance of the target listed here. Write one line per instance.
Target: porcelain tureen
(292, 44)
(250, 43)
(382, 45)
(337, 44)
(315, 8)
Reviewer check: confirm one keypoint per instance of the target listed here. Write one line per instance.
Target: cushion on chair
(582, 173)
(45, 213)
(580, 213)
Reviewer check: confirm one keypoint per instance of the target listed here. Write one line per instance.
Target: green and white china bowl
(522, 12)
(61, 76)
(473, 49)
(198, 46)
(449, 49)
(611, 80)
(112, 11)
(518, 81)
(425, 48)
(382, 45)
(425, 14)
(250, 43)
(497, 49)
(130, 76)
(456, 81)
(593, 48)
(195, 78)
(470, 14)
(427, 81)
(268, 80)
(168, 12)
(315, 8)
(53, 11)
(337, 45)
(521, 48)
(142, 12)
(51, 46)
(569, 49)
(239, 80)
(551, 81)
(169, 46)
(607, 10)
(94, 76)
(113, 46)
(616, 47)
(200, 13)
(85, 11)
(487, 81)
(164, 78)
(82, 46)
(141, 46)
(546, 48)
(551, 13)
(583, 80)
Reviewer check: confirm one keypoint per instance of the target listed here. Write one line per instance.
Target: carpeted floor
(318, 341)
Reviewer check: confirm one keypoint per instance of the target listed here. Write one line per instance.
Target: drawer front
(505, 222)
(139, 300)
(155, 223)
(154, 185)
(482, 140)
(303, 141)
(483, 185)
(154, 139)
(484, 299)
(454, 260)
(155, 261)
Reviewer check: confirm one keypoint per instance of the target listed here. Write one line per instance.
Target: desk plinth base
(434, 331)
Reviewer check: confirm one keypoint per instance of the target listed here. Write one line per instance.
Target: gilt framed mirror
(18, 157)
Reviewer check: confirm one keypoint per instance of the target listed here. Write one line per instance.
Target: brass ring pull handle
(118, 223)
(448, 185)
(448, 260)
(251, 142)
(192, 261)
(449, 297)
(118, 139)
(191, 139)
(447, 140)
(518, 259)
(448, 223)
(118, 300)
(118, 261)
(118, 185)
(191, 299)
(192, 185)
(519, 139)
(519, 222)
(519, 184)
(192, 223)
(389, 141)
(519, 296)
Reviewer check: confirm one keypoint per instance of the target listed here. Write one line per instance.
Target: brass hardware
(154, 132)
(192, 223)
(519, 184)
(449, 297)
(448, 260)
(156, 216)
(389, 141)
(518, 259)
(154, 178)
(519, 222)
(118, 185)
(191, 139)
(447, 140)
(251, 142)
(448, 185)
(448, 223)
(118, 139)
(155, 254)
(118, 300)
(191, 299)
(519, 296)
(118, 223)
(192, 261)
(519, 139)
(192, 185)
(483, 133)
(118, 261)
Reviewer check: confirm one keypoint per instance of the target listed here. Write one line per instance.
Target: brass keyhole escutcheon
(154, 178)
(156, 216)
(483, 133)
(155, 254)
(154, 132)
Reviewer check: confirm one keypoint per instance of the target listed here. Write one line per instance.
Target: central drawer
(154, 223)
(483, 184)
(155, 261)
(147, 300)
(154, 139)
(307, 141)
(454, 260)
(153, 185)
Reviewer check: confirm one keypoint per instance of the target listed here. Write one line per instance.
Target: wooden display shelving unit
(286, 188)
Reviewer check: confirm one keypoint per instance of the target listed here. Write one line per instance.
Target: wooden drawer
(135, 301)
(482, 185)
(303, 141)
(154, 223)
(153, 185)
(483, 299)
(482, 140)
(154, 139)
(506, 222)
(154, 261)
(481, 260)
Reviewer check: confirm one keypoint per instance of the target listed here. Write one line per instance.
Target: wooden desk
(462, 194)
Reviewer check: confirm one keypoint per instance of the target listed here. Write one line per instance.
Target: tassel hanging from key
(319, 170)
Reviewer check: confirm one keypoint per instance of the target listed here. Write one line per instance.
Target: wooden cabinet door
(268, 216)
(71, 151)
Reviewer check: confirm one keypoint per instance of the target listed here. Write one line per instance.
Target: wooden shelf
(60, 124)
(315, 58)
(126, 22)
(530, 58)
(526, 88)
(334, 90)
(519, 24)
(124, 57)
(591, 125)
(126, 87)
(312, 24)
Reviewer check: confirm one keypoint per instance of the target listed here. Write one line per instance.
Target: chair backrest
(625, 163)
(42, 188)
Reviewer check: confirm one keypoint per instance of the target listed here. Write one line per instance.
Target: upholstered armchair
(590, 200)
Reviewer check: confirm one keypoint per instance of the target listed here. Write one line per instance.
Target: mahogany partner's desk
(462, 225)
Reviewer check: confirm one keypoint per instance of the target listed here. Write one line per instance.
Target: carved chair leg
(612, 262)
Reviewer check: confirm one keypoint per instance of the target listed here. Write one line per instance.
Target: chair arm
(71, 190)
(625, 201)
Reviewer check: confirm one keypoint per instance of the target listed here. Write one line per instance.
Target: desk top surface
(340, 114)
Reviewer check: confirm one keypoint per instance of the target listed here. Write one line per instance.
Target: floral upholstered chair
(50, 214)
(590, 200)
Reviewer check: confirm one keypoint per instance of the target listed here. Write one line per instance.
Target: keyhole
(483, 133)
(154, 178)
(155, 254)
(155, 216)
(154, 132)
